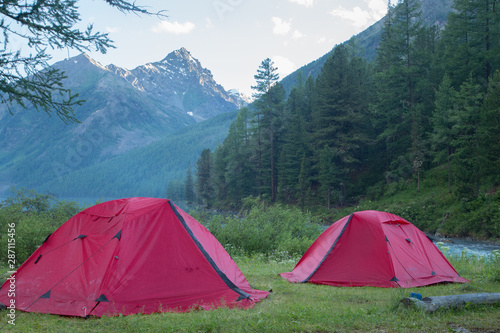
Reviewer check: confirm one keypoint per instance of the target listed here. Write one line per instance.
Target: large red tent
(372, 248)
(127, 256)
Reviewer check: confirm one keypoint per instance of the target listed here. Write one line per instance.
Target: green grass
(303, 308)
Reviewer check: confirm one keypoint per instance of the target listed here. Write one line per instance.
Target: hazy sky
(231, 37)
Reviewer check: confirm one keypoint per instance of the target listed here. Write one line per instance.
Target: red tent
(371, 248)
(137, 255)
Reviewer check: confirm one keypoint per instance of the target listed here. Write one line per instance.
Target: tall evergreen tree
(472, 39)
(340, 107)
(269, 106)
(295, 145)
(189, 187)
(443, 123)
(328, 175)
(466, 142)
(240, 172)
(175, 190)
(489, 131)
(219, 174)
(399, 65)
(204, 184)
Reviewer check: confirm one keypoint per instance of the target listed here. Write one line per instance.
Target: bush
(264, 230)
(478, 218)
(34, 217)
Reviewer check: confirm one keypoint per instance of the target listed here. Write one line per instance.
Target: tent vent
(46, 295)
(395, 279)
(80, 236)
(386, 239)
(101, 298)
(116, 257)
(37, 259)
(433, 273)
(118, 235)
(408, 240)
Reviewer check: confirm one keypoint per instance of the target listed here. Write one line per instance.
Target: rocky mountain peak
(179, 82)
(181, 64)
(181, 53)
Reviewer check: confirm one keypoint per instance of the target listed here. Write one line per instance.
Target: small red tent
(137, 255)
(372, 248)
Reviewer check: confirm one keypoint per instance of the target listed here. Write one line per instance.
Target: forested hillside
(144, 171)
(434, 13)
(430, 98)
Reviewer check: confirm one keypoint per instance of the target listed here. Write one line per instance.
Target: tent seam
(219, 272)
(329, 250)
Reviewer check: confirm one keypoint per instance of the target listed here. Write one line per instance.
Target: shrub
(265, 230)
(35, 216)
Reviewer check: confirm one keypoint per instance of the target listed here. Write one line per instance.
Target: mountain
(180, 83)
(139, 128)
(144, 171)
(367, 41)
(123, 110)
(243, 98)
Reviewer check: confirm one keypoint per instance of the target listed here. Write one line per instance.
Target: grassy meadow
(303, 307)
(264, 241)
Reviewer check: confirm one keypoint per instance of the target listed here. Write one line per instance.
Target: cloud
(281, 27)
(307, 3)
(358, 16)
(285, 65)
(175, 28)
(297, 35)
(362, 18)
(112, 29)
(378, 8)
(321, 40)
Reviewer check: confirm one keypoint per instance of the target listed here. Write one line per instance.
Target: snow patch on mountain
(242, 98)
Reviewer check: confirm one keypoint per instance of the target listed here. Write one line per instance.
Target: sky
(229, 37)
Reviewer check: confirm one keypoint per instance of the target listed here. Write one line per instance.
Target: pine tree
(295, 144)
(472, 37)
(175, 190)
(399, 111)
(466, 141)
(219, 174)
(204, 183)
(189, 187)
(442, 120)
(340, 107)
(240, 172)
(269, 106)
(328, 175)
(489, 131)
(26, 78)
